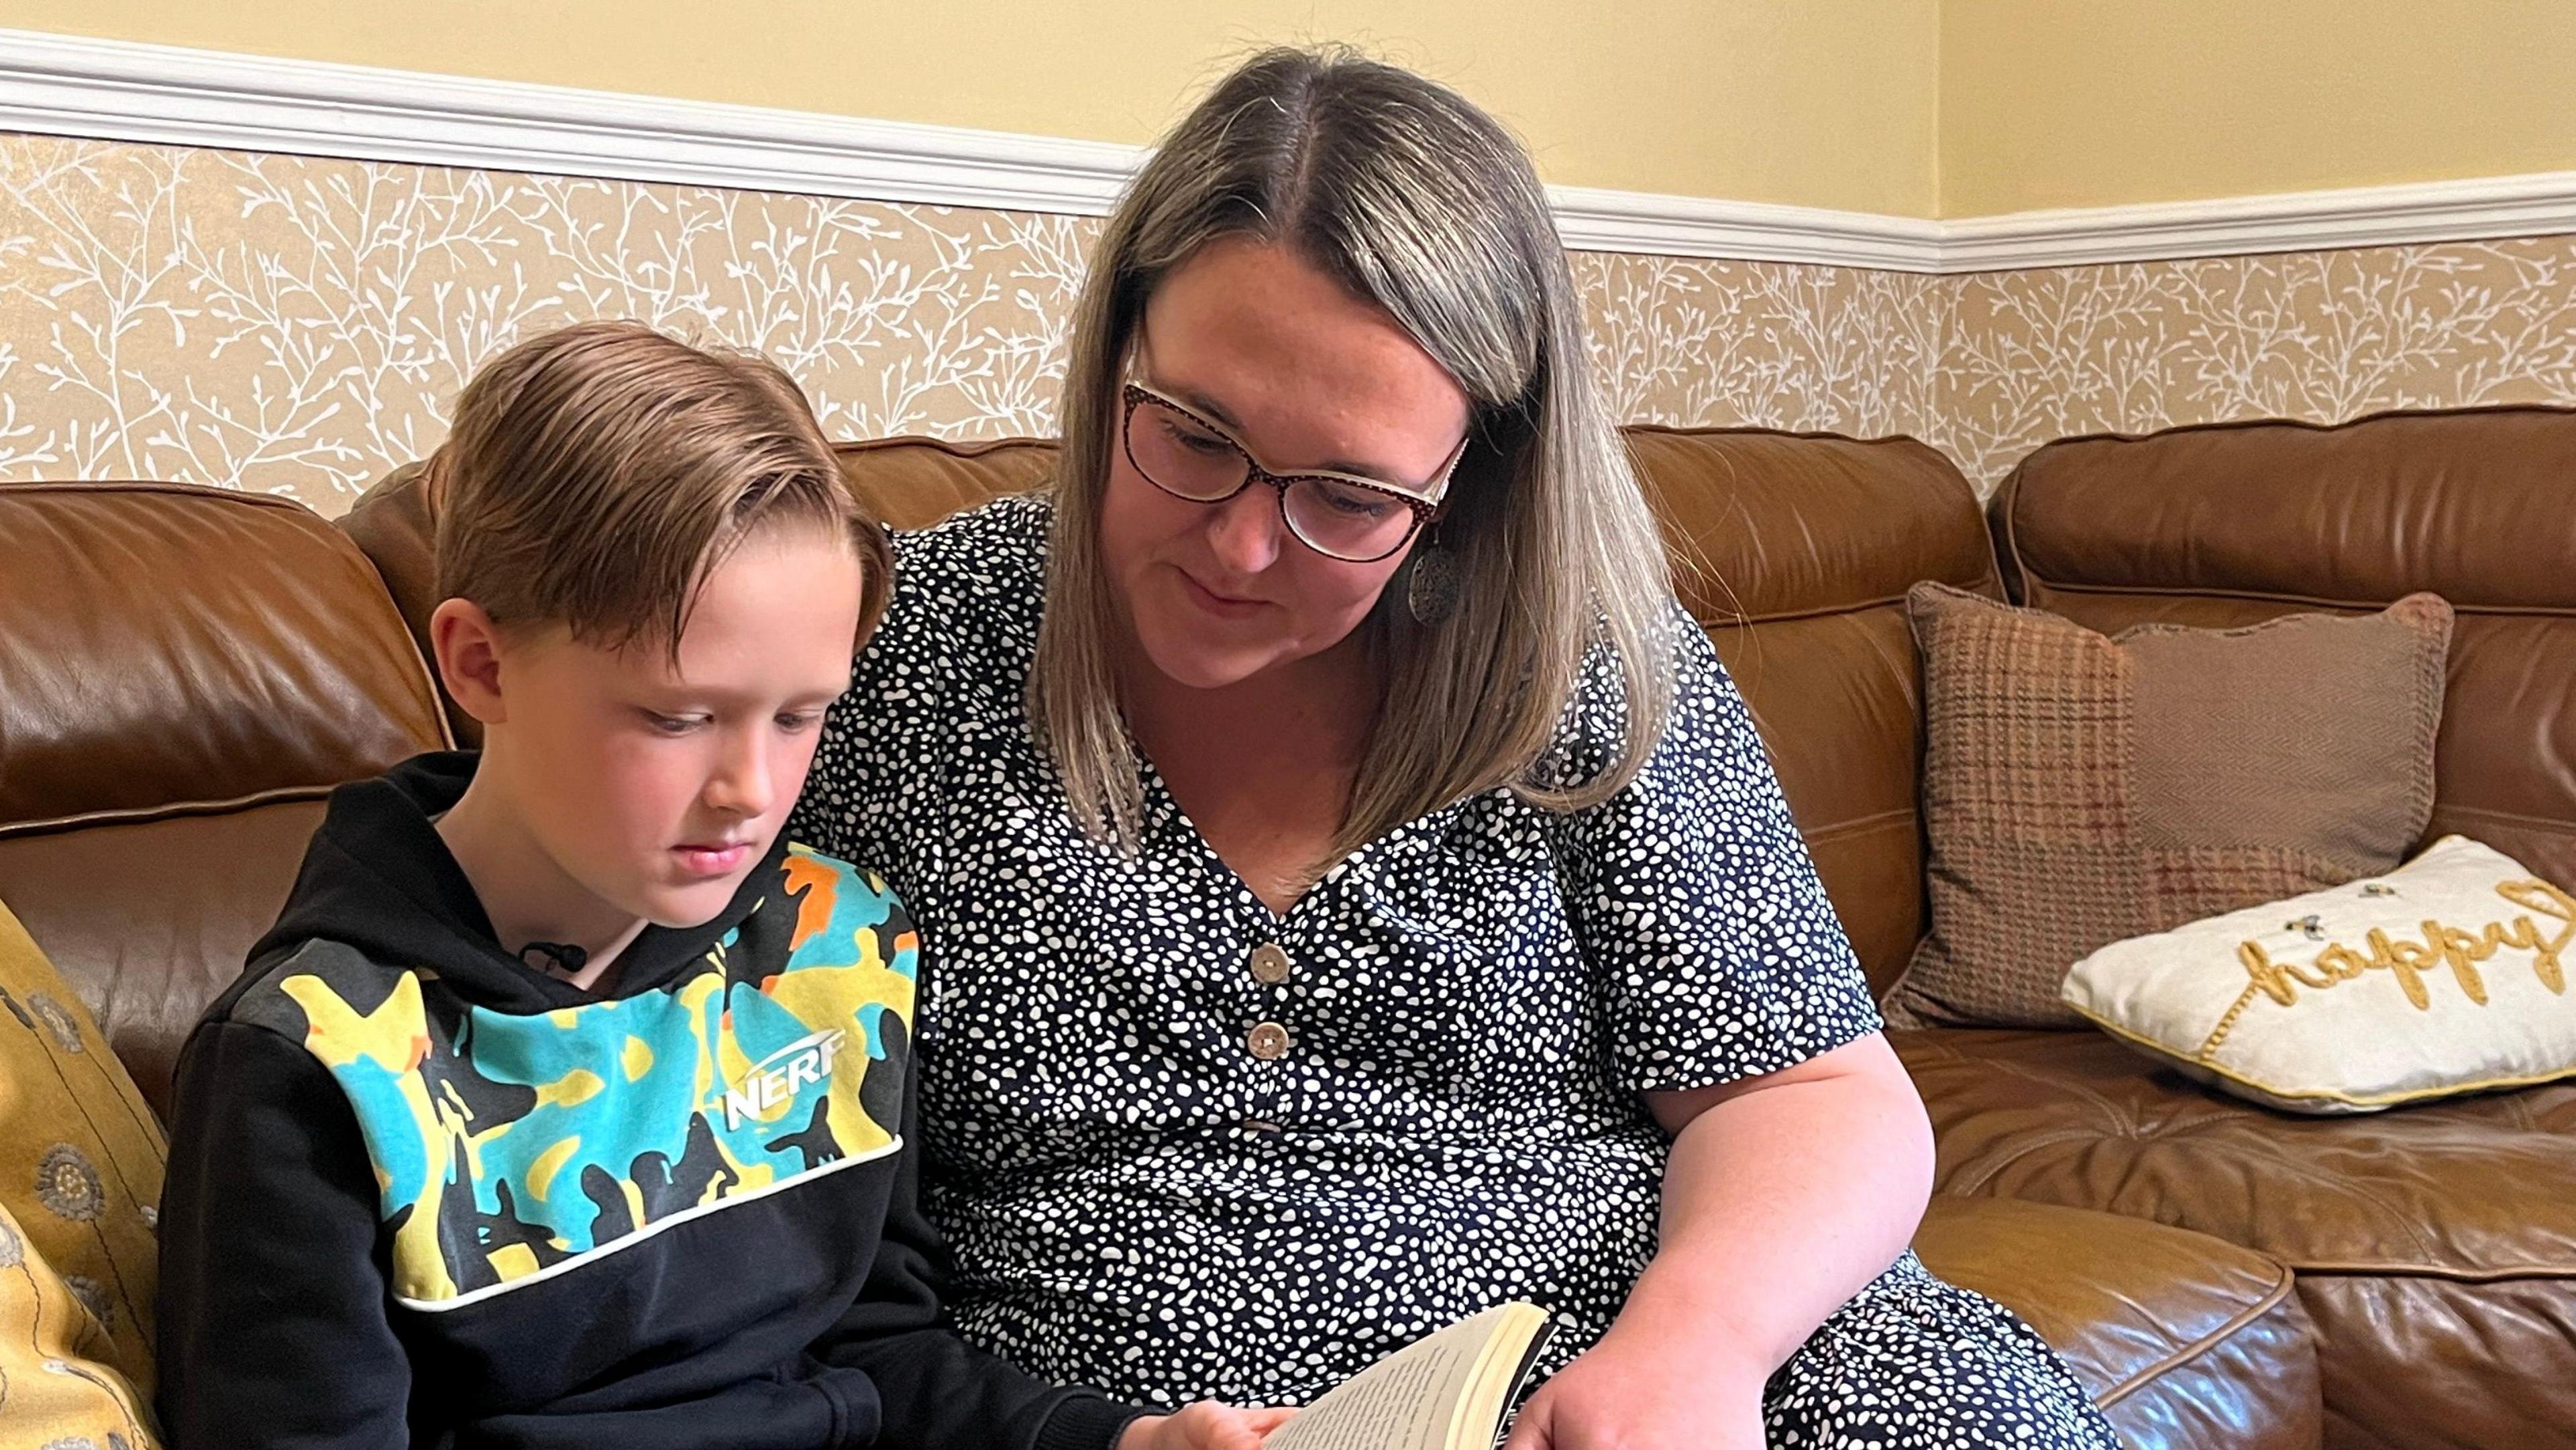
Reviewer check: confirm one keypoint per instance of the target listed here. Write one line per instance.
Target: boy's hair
(596, 474)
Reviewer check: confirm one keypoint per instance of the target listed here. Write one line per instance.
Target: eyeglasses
(1339, 515)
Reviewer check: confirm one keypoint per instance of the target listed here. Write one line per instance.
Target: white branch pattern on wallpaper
(298, 326)
(2034, 355)
(1693, 342)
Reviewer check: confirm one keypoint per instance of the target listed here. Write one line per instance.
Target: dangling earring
(1432, 582)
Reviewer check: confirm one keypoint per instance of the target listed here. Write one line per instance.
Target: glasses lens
(1177, 453)
(1346, 520)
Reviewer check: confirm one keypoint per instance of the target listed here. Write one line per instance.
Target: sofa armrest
(2184, 1340)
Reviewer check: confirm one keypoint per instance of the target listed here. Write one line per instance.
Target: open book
(1444, 1391)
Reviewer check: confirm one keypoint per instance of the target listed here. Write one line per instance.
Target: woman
(1354, 893)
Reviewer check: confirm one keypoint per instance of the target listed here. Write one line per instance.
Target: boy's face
(656, 787)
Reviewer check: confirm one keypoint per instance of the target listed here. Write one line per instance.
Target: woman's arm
(1786, 1193)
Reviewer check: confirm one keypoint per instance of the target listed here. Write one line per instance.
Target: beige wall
(2061, 103)
(2051, 352)
(1947, 108)
(1816, 102)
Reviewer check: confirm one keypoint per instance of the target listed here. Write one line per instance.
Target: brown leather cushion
(913, 483)
(184, 673)
(163, 644)
(2184, 1340)
(2435, 1245)
(1795, 551)
(390, 525)
(2233, 523)
(149, 920)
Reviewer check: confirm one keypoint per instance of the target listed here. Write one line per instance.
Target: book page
(1409, 1400)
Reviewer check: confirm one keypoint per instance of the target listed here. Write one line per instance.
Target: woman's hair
(1422, 204)
(594, 475)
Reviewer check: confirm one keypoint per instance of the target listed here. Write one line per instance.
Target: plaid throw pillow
(2080, 789)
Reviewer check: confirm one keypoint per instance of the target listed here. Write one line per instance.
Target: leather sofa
(185, 672)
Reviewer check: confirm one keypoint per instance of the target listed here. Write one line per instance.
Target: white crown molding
(1592, 220)
(166, 95)
(2479, 208)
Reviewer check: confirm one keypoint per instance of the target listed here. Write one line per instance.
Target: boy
(566, 1105)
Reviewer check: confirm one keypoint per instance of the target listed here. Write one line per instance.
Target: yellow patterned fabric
(80, 1177)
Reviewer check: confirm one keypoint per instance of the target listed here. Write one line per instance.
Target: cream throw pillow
(2447, 975)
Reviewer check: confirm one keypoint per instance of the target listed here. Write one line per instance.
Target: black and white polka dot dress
(1184, 1147)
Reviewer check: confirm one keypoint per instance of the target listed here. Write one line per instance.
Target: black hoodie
(423, 1195)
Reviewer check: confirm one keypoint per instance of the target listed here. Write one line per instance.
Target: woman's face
(1307, 377)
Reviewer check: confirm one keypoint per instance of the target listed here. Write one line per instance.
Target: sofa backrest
(184, 674)
(913, 483)
(2232, 523)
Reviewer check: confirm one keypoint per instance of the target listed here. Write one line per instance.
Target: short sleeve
(1693, 898)
(948, 658)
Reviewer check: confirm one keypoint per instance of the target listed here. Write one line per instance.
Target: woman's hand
(1642, 1392)
(1206, 1425)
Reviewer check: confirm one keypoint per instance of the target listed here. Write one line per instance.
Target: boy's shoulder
(299, 989)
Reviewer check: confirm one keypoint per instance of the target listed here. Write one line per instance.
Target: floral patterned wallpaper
(297, 325)
(2033, 355)
(1838, 349)
(1991, 365)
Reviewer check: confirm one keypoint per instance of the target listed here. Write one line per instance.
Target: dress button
(1269, 1042)
(1269, 963)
